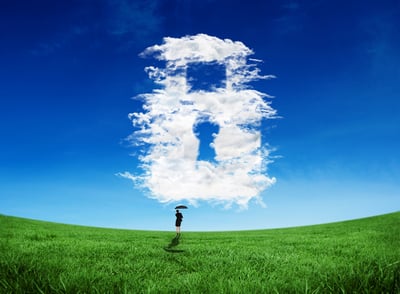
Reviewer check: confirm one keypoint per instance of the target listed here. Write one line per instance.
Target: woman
(178, 221)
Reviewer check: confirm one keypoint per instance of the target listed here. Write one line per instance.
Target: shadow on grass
(174, 242)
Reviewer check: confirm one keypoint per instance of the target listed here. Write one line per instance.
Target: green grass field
(360, 256)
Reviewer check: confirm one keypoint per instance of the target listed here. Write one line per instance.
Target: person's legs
(178, 229)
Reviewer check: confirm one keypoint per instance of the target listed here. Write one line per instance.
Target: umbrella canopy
(181, 207)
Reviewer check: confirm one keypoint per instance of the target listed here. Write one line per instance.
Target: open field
(359, 256)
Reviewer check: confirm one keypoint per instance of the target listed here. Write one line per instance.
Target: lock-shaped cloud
(171, 167)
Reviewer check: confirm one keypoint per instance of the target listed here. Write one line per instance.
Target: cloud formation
(172, 171)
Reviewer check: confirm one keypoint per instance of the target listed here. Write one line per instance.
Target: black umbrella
(181, 207)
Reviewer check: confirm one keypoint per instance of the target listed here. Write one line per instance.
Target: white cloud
(171, 169)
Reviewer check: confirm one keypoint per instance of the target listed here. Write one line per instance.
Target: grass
(359, 256)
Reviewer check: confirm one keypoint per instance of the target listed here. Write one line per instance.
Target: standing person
(178, 222)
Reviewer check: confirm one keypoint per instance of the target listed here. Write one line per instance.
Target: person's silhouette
(178, 221)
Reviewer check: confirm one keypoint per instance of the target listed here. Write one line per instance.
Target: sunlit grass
(360, 256)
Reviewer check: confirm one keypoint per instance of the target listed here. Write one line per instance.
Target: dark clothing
(179, 218)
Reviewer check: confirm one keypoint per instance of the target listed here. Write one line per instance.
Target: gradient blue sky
(69, 69)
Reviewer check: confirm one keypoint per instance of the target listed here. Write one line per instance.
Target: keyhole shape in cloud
(203, 88)
(206, 132)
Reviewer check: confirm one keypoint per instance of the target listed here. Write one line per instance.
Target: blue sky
(70, 68)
